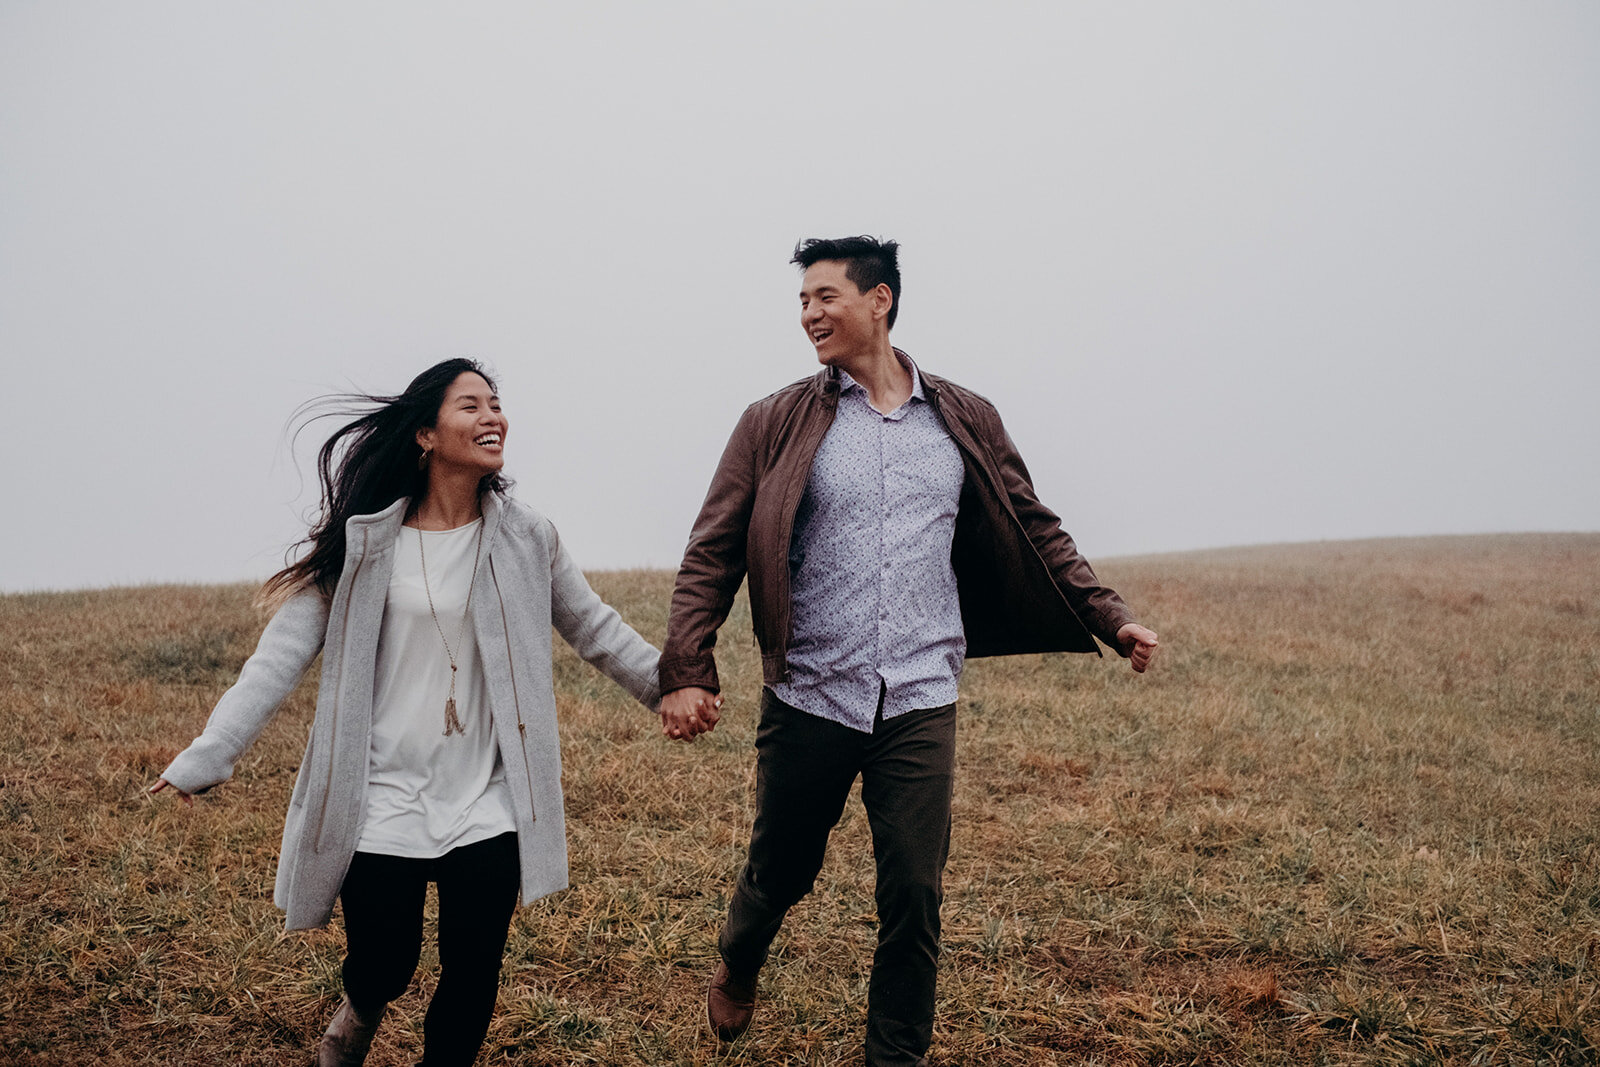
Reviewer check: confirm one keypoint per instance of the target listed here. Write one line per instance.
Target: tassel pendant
(452, 722)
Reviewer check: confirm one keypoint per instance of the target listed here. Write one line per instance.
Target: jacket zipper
(516, 701)
(338, 691)
(793, 493)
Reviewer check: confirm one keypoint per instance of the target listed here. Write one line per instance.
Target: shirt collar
(846, 383)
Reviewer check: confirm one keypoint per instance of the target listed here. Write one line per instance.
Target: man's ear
(882, 301)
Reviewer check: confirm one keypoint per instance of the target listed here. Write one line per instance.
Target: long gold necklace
(452, 724)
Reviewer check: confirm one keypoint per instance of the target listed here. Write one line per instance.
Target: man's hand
(1138, 644)
(688, 713)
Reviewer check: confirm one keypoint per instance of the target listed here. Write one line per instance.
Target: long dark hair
(366, 465)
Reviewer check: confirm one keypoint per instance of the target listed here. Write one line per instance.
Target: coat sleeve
(713, 566)
(596, 632)
(287, 648)
(1099, 606)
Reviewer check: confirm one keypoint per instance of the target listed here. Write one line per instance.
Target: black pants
(383, 897)
(804, 769)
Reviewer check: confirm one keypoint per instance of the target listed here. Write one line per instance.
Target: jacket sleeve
(596, 632)
(1099, 606)
(713, 565)
(287, 647)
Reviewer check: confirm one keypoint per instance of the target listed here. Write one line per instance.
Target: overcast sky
(1232, 272)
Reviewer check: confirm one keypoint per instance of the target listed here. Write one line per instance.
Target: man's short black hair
(868, 261)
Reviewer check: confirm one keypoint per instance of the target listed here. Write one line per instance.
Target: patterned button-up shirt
(873, 595)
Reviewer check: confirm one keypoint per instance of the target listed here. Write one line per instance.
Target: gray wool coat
(525, 585)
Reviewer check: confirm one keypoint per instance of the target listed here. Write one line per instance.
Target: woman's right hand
(162, 783)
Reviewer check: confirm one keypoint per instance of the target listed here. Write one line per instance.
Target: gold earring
(422, 460)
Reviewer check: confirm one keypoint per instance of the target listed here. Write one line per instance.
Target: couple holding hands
(888, 529)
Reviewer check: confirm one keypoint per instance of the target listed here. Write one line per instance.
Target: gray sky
(1233, 272)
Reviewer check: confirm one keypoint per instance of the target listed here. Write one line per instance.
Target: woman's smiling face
(470, 431)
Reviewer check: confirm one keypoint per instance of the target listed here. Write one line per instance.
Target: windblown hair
(366, 465)
(869, 262)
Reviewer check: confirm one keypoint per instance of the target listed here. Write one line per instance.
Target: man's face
(840, 320)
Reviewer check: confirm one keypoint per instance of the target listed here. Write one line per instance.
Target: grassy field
(1350, 817)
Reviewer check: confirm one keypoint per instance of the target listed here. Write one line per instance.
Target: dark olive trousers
(382, 898)
(805, 767)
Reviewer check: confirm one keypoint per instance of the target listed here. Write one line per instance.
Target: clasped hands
(688, 713)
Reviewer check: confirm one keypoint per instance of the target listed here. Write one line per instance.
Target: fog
(1233, 273)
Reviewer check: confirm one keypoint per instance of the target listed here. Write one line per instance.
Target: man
(889, 530)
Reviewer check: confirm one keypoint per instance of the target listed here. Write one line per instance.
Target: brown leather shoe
(730, 1002)
(348, 1038)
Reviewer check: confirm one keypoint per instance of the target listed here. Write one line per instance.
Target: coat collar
(827, 381)
(382, 528)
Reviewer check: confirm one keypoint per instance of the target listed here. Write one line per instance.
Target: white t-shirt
(428, 793)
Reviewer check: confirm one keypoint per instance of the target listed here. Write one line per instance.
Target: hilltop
(1349, 817)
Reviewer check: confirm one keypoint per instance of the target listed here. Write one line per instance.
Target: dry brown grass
(1348, 819)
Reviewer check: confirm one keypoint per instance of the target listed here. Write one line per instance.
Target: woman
(433, 755)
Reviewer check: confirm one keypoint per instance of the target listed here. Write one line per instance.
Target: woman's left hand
(687, 713)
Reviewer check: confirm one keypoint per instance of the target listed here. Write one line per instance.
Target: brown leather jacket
(1022, 583)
